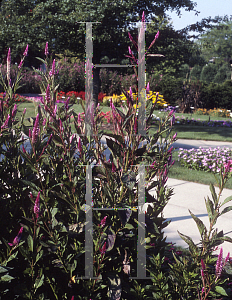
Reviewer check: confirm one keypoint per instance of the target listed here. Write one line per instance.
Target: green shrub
(208, 73)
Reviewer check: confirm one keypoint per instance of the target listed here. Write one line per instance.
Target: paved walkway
(189, 195)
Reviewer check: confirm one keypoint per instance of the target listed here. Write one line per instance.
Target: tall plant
(43, 249)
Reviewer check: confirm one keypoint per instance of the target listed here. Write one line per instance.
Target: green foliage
(195, 73)
(223, 74)
(208, 73)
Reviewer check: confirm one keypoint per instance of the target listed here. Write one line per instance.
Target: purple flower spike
(5, 125)
(26, 51)
(14, 111)
(53, 71)
(202, 264)
(20, 65)
(227, 258)
(35, 131)
(36, 206)
(218, 270)
(103, 222)
(130, 36)
(66, 103)
(46, 49)
(47, 95)
(103, 250)
(8, 65)
(17, 238)
(143, 17)
(148, 88)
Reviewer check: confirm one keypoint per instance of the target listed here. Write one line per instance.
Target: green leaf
(38, 256)
(129, 226)
(6, 278)
(213, 193)
(220, 290)
(38, 282)
(225, 210)
(227, 200)
(210, 208)
(200, 224)
(30, 243)
(189, 241)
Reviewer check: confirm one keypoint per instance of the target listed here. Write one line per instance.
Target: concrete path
(189, 195)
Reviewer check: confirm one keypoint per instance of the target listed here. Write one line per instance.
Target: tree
(195, 73)
(56, 21)
(175, 46)
(224, 73)
(208, 73)
(216, 42)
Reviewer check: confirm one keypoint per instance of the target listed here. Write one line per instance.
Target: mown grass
(179, 172)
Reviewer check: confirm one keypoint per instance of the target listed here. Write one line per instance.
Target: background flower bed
(209, 160)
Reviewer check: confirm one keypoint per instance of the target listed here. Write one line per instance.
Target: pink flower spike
(36, 206)
(35, 131)
(66, 103)
(72, 298)
(14, 111)
(148, 88)
(46, 49)
(5, 125)
(174, 136)
(227, 258)
(103, 222)
(8, 65)
(20, 65)
(52, 72)
(152, 43)
(218, 270)
(47, 95)
(103, 250)
(130, 36)
(44, 121)
(17, 238)
(143, 17)
(26, 51)
(202, 264)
